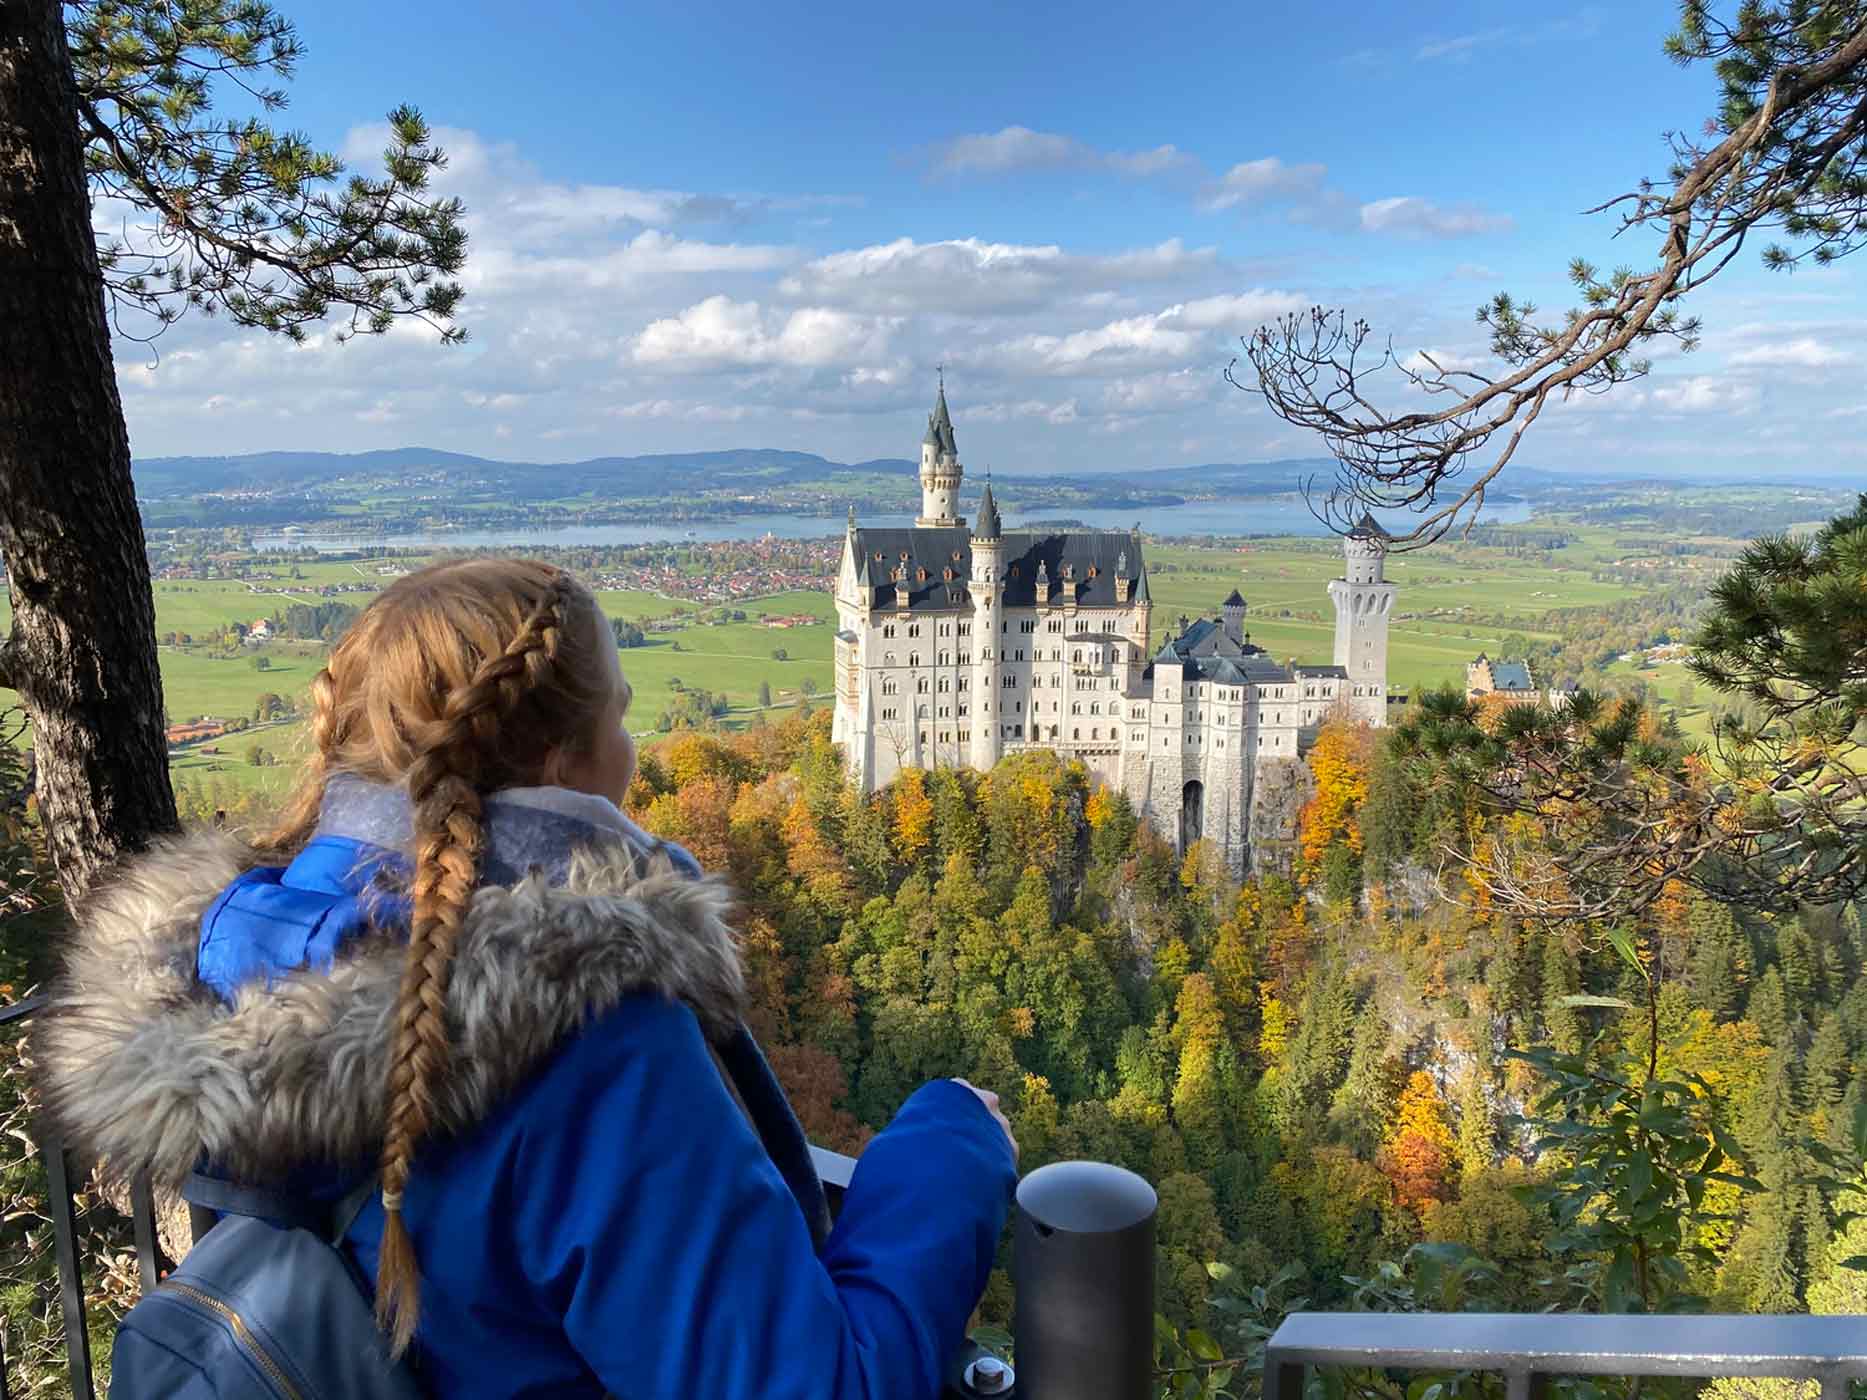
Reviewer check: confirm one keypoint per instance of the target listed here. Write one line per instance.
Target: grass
(1284, 582)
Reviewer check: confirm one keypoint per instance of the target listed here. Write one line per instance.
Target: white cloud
(1172, 335)
(1411, 216)
(1449, 361)
(1255, 182)
(972, 275)
(1804, 352)
(1016, 148)
(1706, 393)
(720, 332)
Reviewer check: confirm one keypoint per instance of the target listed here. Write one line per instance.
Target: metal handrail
(1075, 1215)
(1529, 1348)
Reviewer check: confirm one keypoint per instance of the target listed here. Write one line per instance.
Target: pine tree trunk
(82, 652)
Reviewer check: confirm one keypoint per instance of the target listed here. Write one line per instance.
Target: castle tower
(988, 592)
(1235, 617)
(1363, 599)
(940, 468)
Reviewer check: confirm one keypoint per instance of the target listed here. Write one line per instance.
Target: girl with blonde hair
(458, 968)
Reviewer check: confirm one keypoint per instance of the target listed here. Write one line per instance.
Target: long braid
(445, 785)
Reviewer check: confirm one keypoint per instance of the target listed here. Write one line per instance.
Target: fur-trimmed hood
(147, 1069)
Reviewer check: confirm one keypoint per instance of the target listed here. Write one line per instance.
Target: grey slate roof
(1091, 557)
(1209, 654)
(1233, 600)
(1368, 528)
(940, 427)
(1511, 675)
(1339, 672)
(988, 526)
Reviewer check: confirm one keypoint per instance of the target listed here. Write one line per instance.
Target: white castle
(957, 646)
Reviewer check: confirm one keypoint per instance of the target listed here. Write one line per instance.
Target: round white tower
(1363, 599)
(940, 469)
(988, 592)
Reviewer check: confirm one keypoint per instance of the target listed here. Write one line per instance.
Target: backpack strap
(327, 1219)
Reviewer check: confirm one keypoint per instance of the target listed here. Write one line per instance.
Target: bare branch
(1793, 159)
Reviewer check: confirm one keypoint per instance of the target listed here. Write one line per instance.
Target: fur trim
(144, 1068)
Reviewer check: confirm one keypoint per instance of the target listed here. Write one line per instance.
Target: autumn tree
(1327, 829)
(243, 221)
(1418, 1155)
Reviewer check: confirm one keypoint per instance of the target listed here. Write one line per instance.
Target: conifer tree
(245, 221)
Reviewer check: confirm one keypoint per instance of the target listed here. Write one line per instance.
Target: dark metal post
(1083, 1260)
(149, 1259)
(64, 1207)
(1283, 1378)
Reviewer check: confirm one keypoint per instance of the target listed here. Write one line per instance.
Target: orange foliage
(813, 1082)
(1418, 1153)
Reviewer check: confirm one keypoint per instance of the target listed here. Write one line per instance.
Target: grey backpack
(265, 1305)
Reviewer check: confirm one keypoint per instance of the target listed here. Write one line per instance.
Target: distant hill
(748, 468)
(172, 476)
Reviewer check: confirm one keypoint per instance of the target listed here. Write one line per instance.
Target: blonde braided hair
(457, 681)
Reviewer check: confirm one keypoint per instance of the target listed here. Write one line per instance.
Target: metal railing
(63, 1176)
(1529, 1349)
(1083, 1260)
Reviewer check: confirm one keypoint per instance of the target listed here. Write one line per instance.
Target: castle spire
(940, 426)
(941, 471)
(987, 527)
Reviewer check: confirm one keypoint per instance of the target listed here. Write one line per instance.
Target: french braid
(446, 782)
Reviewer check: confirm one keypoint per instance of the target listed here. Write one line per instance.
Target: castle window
(965, 629)
(920, 686)
(943, 685)
(1014, 570)
(962, 712)
(1095, 734)
(1020, 653)
(1076, 707)
(888, 629)
(914, 658)
(1076, 733)
(888, 686)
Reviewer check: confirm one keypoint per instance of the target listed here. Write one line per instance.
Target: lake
(1255, 516)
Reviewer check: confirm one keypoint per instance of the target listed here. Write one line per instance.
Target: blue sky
(758, 225)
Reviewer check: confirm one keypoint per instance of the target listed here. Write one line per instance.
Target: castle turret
(988, 593)
(1363, 599)
(940, 468)
(1234, 609)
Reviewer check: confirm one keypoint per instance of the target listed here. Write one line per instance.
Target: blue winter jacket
(616, 1227)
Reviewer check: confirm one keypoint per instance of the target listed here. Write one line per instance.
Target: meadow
(1284, 582)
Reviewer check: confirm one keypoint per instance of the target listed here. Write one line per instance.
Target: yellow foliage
(1339, 764)
(914, 814)
(1422, 1111)
(1098, 809)
(1274, 1023)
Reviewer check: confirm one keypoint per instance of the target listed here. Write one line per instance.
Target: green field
(1283, 581)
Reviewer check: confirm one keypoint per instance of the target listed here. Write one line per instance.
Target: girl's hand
(990, 1100)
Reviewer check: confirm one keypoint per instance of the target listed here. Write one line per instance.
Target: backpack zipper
(242, 1334)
